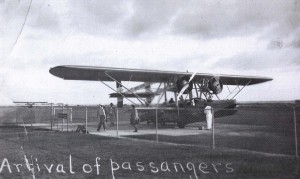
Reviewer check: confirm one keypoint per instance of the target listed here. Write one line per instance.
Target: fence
(264, 129)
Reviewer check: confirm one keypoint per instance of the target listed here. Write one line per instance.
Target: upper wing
(141, 75)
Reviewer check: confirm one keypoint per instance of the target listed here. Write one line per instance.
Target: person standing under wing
(112, 115)
(208, 113)
(102, 117)
(134, 118)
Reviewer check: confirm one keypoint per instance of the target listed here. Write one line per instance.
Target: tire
(181, 124)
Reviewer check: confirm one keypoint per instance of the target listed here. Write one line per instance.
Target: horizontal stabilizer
(130, 95)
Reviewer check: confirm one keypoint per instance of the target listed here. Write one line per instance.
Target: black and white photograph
(158, 89)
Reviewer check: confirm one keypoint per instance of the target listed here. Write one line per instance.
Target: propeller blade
(186, 86)
(182, 91)
(192, 77)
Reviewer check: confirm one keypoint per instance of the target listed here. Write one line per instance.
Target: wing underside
(140, 75)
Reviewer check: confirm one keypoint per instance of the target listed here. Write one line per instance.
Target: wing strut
(228, 88)
(164, 91)
(138, 98)
(200, 86)
(195, 86)
(232, 91)
(117, 91)
(241, 89)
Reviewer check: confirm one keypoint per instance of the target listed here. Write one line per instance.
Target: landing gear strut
(181, 124)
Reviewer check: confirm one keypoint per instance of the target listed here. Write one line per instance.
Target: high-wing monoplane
(183, 85)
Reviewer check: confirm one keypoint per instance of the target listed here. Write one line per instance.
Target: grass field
(269, 130)
(233, 137)
(245, 144)
(134, 158)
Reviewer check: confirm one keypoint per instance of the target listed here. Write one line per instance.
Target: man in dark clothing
(134, 118)
(112, 115)
(171, 101)
(81, 128)
(102, 117)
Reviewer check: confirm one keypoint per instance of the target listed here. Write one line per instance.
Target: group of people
(103, 116)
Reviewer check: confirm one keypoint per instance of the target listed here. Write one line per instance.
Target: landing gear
(181, 124)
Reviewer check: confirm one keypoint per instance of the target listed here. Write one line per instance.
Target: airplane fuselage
(186, 112)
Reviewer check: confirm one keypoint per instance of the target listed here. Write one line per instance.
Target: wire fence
(273, 130)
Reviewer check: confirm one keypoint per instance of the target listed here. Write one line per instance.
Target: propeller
(186, 86)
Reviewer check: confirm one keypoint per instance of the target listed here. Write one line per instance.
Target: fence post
(32, 116)
(156, 125)
(117, 122)
(63, 120)
(67, 123)
(86, 116)
(213, 128)
(71, 116)
(71, 119)
(51, 116)
(295, 129)
(56, 118)
(17, 116)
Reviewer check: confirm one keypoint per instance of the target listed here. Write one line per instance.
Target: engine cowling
(215, 85)
(181, 82)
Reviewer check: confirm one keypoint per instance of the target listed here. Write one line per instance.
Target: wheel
(181, 124)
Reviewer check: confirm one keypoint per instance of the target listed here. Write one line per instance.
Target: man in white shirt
(208, 113)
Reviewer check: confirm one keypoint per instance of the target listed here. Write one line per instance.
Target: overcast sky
(251, 37)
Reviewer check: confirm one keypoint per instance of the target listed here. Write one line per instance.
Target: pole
(117, 123)
(156, 125)
(177, 106)
(176, 100)
(86, 116)
(63, 120)
(32, 116)
(213, 128)
(295, 129)
(165, 93)
(51, 115)
(71, 115)
(56, 120)
(67, 124)
(17, 115)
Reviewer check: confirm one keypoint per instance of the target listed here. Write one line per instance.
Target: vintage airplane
(205, 86)
(29, 104)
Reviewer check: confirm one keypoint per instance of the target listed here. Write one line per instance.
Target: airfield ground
(268, 130)
(146, 159)
(254, 143)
